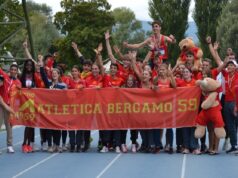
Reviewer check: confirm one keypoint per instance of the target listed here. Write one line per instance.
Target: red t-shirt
(9, 85)
(38, 80)
(76, 84)
(214, 74)
(230, 84)
(109, 81)
(124, 73)
(183, 83)
(93, 82)
(66, 79)
(165, 84)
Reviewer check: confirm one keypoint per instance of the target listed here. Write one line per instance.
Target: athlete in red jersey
(157, 40)
(10, 84)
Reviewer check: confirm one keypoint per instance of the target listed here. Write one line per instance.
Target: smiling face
(187, 75)
(13, 71)
(95, 70)
(146, 76)
(55, 75)
(75, 73)
(156, 28)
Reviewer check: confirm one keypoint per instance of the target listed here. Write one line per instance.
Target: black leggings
(29, 135)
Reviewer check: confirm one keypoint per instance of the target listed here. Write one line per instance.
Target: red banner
(105, 109)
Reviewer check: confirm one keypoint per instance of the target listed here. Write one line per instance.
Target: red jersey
(65, 79)
(214, 74)
(160, 46)
(230, 85)
(109, 81)
(76, 84)
(38, 80)
(93, 82)
(165, 84)
(124, 73)
(183, 83)
(9, 85)
(236, 95)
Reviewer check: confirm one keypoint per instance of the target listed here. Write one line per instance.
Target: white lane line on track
(183, 166)
(108, 166)
(35, 165)
(42, 161)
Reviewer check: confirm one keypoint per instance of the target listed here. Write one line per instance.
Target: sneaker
(196, 152)
(34, 147)
(118, 150)
(156, 150)
(186, 151)
(124, 148)
(24, 149)
(10, 149)
(59, 149)
(225, 146)
(64, 148)
(30, 149)
(44, 147)
(50, 149)
(171, 151)
(232, 150)
(133, 148)
(104, 149)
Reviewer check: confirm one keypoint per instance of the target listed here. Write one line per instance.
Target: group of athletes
(153, 72)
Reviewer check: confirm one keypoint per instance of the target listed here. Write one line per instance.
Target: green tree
(227, 29)
(127, 28)
(7, 11)
(173, 15)
(84, 22)
(44, 31)
(206, 14)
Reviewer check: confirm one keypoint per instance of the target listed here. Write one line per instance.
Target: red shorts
(210, 115)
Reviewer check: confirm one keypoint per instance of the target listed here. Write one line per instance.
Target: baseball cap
(232, 62)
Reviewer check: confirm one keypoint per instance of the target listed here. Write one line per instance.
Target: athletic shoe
(232, 150)
(34, 147)
(117, 150)
(225, 146)
(186, 151)
(30, 149)
(44, 147)
(196, 152)
(124, 148)
(59, 149)
(104, 149)
(133, 148)
(10, 149)
(24, 149)
(50, 149)
(64, 148)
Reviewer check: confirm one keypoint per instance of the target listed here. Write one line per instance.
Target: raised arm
(109, 49)
(213, 51)
(99, 58)
(42, 71)
(171, 77)
(132, 56)
(27, 52)
(147, 58)
(78, 53)
(118, 52)
(136, 46)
